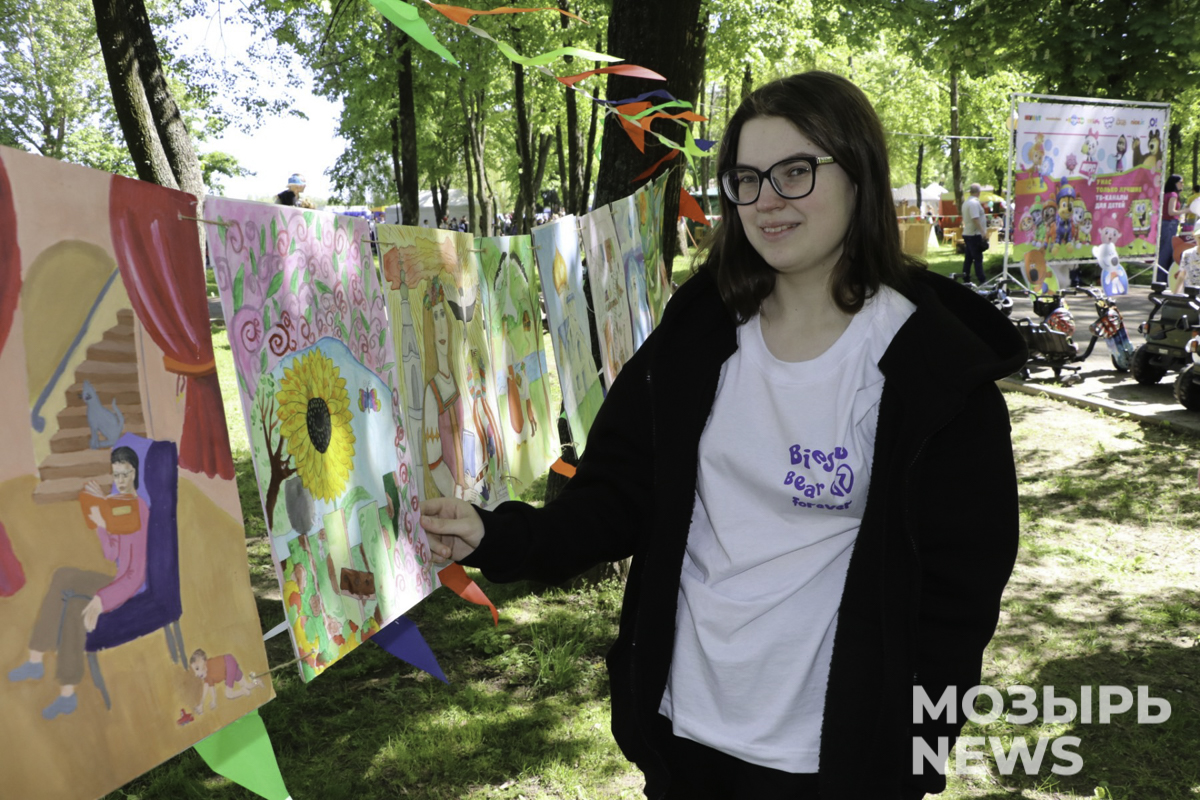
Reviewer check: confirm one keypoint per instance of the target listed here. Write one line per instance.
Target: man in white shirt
(974, 228)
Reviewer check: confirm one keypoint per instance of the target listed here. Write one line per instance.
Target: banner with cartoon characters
(1087, 175)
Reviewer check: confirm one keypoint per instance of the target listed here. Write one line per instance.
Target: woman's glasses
(791, 178)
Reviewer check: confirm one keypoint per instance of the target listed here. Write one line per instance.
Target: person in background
(974, 229)
(291, 195)
(807, 550)
(1171, 212)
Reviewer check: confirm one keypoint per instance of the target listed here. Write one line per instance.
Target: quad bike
(1050, 343)
(1170, 327)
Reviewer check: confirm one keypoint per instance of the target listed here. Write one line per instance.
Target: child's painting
(649, 203)
(122, 550)
(321, 399)
(610, 295)
(509, 281)
(556, 249)
(629, 243)
(434, 295)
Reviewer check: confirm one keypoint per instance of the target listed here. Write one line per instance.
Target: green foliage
(51, 76)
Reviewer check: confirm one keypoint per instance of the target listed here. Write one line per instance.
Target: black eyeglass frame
(812, 161)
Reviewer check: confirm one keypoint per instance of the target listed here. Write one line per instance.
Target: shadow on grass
(1149, 640)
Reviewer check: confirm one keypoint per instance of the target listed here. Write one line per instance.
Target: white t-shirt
(974, 223)
(785, 462)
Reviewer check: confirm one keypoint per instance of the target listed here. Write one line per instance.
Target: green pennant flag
(242, 753)
(406, 18)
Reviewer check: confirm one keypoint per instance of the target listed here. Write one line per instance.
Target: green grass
(1104, 592)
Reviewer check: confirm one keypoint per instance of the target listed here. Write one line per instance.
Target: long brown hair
(836, 115)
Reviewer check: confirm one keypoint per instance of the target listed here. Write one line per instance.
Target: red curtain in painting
(159, 257)
(12, 577)
(10, 257)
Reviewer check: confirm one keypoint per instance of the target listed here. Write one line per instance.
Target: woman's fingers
(452, 527)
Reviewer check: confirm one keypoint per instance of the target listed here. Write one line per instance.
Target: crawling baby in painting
(222, 669)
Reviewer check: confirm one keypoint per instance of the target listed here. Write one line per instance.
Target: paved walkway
(1102, 386)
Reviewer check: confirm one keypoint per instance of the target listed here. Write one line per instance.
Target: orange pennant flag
(688, 207)
(628, 70)
(563, 468)
(633, 127)
(657, 164)
(455, 577)
(463, 15)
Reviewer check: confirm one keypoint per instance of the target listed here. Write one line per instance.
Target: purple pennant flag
(705, 144)
(663, 93)
(402, 639)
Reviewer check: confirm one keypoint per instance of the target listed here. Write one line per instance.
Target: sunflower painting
(321, 397)
(314, 416)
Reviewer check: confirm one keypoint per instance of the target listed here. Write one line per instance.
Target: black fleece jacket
(935, 549)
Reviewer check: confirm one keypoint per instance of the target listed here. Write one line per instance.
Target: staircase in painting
(111, 366)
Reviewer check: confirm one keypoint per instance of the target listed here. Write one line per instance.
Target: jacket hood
(955, 337)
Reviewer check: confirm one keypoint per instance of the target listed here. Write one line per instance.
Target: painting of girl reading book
(77, 597)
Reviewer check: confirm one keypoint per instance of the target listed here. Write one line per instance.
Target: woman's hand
(452, 526)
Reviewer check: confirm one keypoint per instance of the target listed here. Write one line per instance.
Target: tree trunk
(585, 188)
(669, 38)
(562, 166)
(920, 163)
(439, 207)
(471, 226)
(172, 130)
(706, 163)
(522, 213)
(397, 170)
(539, 174)
(1196, 160)
(129, 98)
(410, 192)
(955, 161)
(474, 113)
(1176, 142)
(747, 83)
(571, 188)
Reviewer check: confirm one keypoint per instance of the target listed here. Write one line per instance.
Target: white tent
(934, 189)
(456, 206)
(905, 194)
(908, 194)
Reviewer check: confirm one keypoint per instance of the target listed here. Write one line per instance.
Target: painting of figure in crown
(462, 450)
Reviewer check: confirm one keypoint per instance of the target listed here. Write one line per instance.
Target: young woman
(1172, 212)
(822, 514)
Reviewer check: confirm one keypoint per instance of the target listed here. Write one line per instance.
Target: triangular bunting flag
(406, 18)
(241, 752)
(463, 15)
(405, 642)
(688, 207)
(628, 70)
(456, 578)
